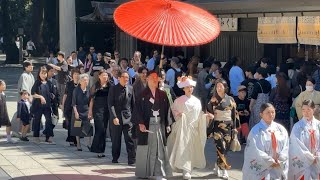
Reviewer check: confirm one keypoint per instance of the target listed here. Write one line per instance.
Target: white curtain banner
(309, 30)
(277, 30)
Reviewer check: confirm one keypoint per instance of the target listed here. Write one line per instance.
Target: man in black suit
(121, 101)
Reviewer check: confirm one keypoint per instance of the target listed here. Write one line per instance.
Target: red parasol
(167, 22)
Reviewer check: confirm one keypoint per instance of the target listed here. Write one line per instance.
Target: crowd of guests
(166, 109)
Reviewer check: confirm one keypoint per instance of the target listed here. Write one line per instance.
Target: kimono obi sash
(154, 121)
(222, 115)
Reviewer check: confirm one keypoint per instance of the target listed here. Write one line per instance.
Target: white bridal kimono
(304, 149)
(259, 154)
(188, 137)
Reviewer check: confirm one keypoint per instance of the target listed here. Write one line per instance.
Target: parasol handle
(161, 56)
(162, 50)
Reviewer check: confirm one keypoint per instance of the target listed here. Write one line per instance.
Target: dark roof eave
(250, 6)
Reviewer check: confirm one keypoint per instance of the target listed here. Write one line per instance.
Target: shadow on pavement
(71, 177)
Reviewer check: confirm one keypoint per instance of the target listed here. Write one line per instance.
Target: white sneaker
(11, 141)
(225, 174)
(217, 171)
(186, 175)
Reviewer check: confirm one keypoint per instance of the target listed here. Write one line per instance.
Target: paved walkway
(53, 162)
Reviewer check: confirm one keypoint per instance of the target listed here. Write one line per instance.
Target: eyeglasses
(116, 54)
(91, 49)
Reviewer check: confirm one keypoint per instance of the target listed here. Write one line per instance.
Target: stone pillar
(128, 45)
(67, 26)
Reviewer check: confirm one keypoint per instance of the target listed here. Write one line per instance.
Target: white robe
(188, 137)
(301, 156)
(258, 153)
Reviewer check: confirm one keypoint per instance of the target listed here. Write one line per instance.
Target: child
(23, 114)
(243, 110)
(4, 117)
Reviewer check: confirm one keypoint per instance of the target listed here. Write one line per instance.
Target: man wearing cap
(75, 61)
(188, 137)
(152, 116)
(62, 76)
(243, 110)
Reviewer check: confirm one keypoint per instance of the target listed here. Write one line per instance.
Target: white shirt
(76, 62)
(30, 46)
(115, 80)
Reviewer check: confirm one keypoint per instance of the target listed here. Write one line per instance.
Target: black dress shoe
(79, 149)
(115, 161)
(101, 155)
(132, 164)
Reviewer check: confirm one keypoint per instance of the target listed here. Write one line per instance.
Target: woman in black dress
(80, 104)
(99, 108)
(42, 93)
(67, 103)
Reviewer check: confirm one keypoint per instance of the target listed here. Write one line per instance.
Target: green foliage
(19, 16)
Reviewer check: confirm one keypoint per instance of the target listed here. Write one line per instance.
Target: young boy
(23, 114)
(249, 81)
(4, 117)
(243, 110)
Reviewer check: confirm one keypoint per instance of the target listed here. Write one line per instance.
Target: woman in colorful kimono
(304, 145)
(223, 108)
(266, 153)
(188, 136)
(260, 95)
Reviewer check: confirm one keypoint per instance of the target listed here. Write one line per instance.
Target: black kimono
(145, 110)
(152, 156)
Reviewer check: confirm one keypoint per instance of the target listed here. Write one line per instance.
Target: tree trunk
(38, 25)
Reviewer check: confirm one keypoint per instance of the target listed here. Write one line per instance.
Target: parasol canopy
(167, 22)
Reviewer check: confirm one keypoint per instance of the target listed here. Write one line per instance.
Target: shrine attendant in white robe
(304, 145)
(188, 136)
(266, 153)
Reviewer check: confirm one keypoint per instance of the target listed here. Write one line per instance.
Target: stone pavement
(26, 160)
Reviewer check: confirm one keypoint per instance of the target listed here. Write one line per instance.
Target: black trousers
(37, 121)
(116, 136)
(99, 139)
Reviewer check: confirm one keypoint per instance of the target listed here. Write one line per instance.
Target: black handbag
(87, 128)
(65, 124)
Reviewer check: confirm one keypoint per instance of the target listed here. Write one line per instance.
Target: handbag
(87, 128)
(235, 144)
(77, 123)
(65, 124)
(54, 119)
